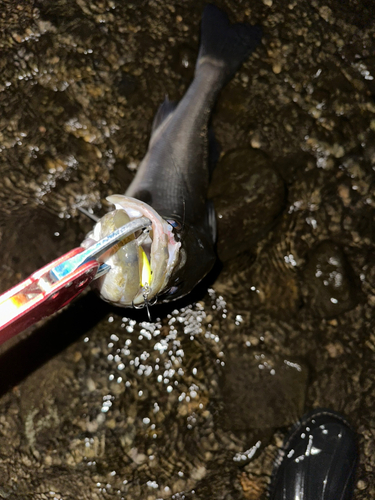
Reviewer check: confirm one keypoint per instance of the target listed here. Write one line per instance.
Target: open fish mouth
(141, 265)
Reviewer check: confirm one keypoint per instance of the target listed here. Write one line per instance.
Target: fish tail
(223, 44)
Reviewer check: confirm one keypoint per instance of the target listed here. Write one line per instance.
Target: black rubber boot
(318, 460)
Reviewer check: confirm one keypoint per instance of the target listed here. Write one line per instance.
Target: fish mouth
(125, 284)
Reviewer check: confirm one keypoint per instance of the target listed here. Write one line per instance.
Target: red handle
(38, 296)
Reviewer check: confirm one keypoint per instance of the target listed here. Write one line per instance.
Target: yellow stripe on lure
(145, 274)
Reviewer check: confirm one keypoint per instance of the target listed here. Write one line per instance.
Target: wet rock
(248, 195)
(262, 391)
(268, 284)
(329, 285)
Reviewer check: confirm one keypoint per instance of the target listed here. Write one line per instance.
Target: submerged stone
(329, 284)
(262, 391)
(248, 195)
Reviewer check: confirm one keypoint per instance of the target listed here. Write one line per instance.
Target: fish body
(172, 180)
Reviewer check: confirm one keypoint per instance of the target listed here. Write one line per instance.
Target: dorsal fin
(165, 109)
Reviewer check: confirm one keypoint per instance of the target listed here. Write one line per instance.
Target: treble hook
(146, 291)
(147, 303)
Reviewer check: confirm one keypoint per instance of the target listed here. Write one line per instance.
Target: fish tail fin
(224, 44)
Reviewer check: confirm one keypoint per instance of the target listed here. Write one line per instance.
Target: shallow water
(99, 403)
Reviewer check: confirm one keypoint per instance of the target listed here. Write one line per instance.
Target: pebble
(329, 284)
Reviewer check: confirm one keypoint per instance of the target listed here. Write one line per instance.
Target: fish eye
(177, 226)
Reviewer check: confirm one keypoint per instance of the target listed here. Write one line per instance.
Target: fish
(171, 183)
